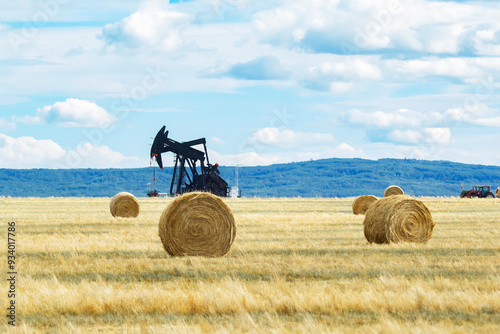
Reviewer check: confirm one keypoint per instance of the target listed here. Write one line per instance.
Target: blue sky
(89, 83)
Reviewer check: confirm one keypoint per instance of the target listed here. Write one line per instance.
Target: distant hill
(318, 178)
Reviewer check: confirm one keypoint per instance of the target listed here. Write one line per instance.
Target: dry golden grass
(297, 265)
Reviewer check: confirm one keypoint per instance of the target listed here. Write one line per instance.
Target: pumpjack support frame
(187, 176)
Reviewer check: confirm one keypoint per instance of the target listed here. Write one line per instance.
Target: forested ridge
(319, 178)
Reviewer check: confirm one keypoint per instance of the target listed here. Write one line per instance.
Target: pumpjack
(187, 176)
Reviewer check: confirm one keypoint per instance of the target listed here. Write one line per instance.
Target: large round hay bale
(497, 194)
(393, 190)
(125, 205)
(197, 224)
(398, 218)
(362, 203)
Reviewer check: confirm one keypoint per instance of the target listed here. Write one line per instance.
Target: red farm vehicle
(478, 192)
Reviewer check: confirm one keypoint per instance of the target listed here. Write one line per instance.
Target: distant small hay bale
(362, 203)
(396, 219)
(393, 190)
(498, 192)
(197, 224)
(124, 205)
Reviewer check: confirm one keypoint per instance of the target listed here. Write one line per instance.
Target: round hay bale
(398, 218)
(197, 224)
(362, 203)
(393, 190)
(497, 194)
(125, 205)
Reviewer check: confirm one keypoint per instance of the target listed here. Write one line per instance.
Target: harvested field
(296, 265)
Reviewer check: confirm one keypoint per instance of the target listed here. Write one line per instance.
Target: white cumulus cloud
(405, 136)
(73, 113)
(244, 159)
(487, 41)
(437, 136)
(87, 155)
(489, 121)
(353, 27)
(382, 119)
(154, 25)
(29, 152)
(348, 69)
(338, 76)
(254, 158)
(340, 87)
(287, 138)
(477, 115)
(6, 125)
(462, 68)
(440, 136)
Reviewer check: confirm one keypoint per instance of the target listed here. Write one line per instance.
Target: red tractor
(478, 192)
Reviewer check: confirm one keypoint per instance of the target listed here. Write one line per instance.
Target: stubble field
(297, 265)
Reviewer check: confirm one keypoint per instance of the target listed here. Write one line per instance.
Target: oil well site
(236, 166)
(194, 258)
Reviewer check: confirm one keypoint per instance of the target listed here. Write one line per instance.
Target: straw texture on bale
(397, 219)
(125, 205)
(197, 224)
(362, 203)
(393, 190)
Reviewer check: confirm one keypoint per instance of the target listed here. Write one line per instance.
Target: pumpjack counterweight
(190, 172)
